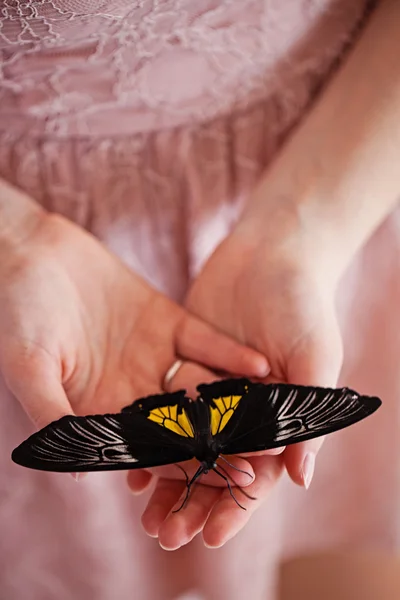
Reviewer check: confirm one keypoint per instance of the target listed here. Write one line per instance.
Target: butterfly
(232, 416)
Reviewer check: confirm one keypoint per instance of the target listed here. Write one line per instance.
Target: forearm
(19, 214)
(340, 169)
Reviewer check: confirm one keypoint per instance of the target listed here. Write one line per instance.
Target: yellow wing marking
(220, 416)
(168, 417)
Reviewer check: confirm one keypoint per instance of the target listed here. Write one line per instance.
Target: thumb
(35, 380)
(40, 393)
(316, 363)
(317, 360)
(42, 397)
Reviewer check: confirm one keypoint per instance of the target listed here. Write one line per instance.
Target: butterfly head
(208, 465)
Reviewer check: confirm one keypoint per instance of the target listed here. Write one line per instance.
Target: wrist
(289, 227)
(337, 176)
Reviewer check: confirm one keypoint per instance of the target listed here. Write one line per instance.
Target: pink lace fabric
(97, 67)
(148, 122)
(154, 118)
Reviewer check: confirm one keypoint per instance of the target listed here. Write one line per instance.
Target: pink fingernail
(308, 469)
(168, 549)
(78, 476)
(263, 369)
(275, 451)
(136, 492)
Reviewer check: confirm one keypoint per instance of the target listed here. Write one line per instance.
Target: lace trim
(108, 67)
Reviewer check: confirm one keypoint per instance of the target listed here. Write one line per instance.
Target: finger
(188, 376)
(272, 452)
(226, 518)
(181, 527)
(165, 496)
(139, 481)
(200, 342)
(300, 460)
(39, 390)
(240, 471)
(317, 363)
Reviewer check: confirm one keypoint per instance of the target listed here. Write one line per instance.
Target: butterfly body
(233, 416)
(203, 446)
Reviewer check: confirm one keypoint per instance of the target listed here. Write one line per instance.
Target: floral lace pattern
(152, 119)
(111, 67)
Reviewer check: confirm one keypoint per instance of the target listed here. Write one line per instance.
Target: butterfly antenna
(189, 486)
(229, 488)
(236, 468)
(238, 486)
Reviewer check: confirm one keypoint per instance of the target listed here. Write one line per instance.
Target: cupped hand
(268, 291)
(80, 333)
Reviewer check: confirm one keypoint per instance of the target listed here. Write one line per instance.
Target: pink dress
(148, 122)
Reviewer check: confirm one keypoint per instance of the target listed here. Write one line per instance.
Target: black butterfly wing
(261, 417)
(132, 439)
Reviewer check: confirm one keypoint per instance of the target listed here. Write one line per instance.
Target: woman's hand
(271, 283)
(80, 333)
(262, 289)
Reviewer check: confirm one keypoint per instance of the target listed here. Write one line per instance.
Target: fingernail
(263, 369)
(137, 492)
(168, 549)
(308, 469)
(275, 451)
(78, 476)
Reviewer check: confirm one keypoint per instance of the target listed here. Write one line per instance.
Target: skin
(304, 347)
(73, 319)
(271, 284)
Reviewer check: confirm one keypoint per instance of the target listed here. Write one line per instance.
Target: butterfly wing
(247, 417)
(135, 438)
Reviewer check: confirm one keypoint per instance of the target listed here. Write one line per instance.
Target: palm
(280, 309)
(74, 308)
(81, 333)
(272, 304)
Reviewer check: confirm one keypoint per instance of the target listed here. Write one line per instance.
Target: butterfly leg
(233, 467)
(238, 486)
(230, 489)
(199, 472)
(184, 472)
